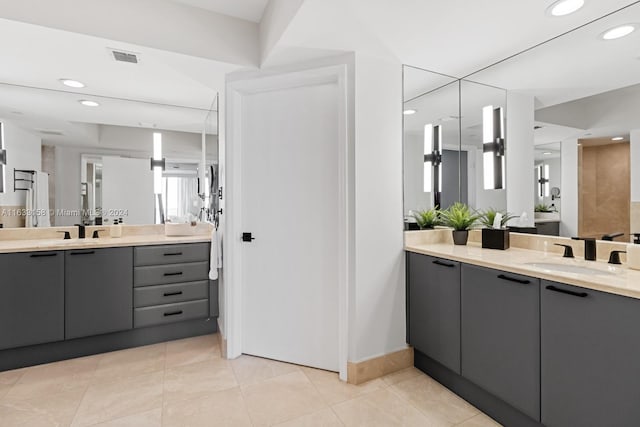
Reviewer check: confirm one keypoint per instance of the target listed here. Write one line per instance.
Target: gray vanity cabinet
(501, 335)
(32, 298)
(434, 308)
(590, 357)
(98, 291)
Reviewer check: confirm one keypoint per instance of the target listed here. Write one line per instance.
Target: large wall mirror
(86, 158)
(582, 174)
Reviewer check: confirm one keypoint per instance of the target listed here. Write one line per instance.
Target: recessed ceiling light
(547, 153)
(409, 112)
(618, 138)
(618, 32)
(88, 103)
(564, 7)
(72, 83)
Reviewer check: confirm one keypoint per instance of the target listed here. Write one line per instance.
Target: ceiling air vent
(121, 56)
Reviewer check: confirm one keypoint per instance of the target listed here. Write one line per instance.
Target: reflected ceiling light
(72, 83)
(409, 112)
(618, 138)
(547, 153)
(565, 7)
(432, 162)
(88, 103)
(493, 147)
(618, 32)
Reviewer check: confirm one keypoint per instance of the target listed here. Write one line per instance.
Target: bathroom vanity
(70, 298)
(526, 344)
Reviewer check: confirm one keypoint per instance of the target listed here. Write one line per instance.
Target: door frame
(233, 261)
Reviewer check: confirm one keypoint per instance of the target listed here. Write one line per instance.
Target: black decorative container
(460, 237)
(495, 238)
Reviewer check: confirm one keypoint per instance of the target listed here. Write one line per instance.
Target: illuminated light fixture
(157, 163)
(493, 147)
(547, 153)
(3, 158)
(433, 162)
(88, 103)
(618, 138)
(409, 112)
(72, 83)
(543, 180)
(619, 32)
(565, 7)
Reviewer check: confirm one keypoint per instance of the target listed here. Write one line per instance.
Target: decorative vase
(460, 237)
(495, 238)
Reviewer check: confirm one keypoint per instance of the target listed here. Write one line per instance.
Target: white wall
(634, 146)
(127, 184)
(519, 151)
(24, 151)
(569, 188)
(379, 306)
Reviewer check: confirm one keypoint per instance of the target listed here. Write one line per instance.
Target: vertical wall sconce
(433, 162)
(157, 166)
(493, 147)
(3, 158)
(543, 180)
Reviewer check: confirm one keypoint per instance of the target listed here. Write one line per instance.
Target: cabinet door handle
(171, 294)
(514, 279)
(43, 255)
(567, 291)
(173, 254)
(173, 313)
(444, 264)
(177, 273)
(83, 253)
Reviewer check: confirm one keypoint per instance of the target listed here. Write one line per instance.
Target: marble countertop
(35, 245)
(617, 280)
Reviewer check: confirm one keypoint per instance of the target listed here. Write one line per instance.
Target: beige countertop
(34, 245)
(615, 279)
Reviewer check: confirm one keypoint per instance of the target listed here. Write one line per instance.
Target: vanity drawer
(167, 294)
(172, 273)
(170, 313)
(171, 254)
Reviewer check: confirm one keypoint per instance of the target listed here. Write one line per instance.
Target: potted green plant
(461, 218)
(544, 211)
(427, 219)
(492, 237)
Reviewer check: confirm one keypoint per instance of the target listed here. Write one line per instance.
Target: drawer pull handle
(83, 253)
(171, 294)
(173, 254)
(177, 273)
(173, 313)
(444, 264)
(43, 255)
(568, 292)
(513, 279)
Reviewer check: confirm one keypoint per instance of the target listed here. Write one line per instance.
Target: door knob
(246, 237)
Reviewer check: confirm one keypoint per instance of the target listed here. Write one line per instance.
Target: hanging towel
(29, 220)
(216, 255)
(42, 199)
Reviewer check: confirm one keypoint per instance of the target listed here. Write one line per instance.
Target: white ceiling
(249, 10)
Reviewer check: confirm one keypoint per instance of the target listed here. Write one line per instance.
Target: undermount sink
(568, 268)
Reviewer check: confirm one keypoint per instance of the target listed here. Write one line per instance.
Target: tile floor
(187, 383)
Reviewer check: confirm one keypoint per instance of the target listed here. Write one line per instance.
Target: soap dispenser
(116, 229)
(633, 255)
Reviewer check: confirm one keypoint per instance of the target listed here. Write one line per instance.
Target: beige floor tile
(10, 377)
(402, 375)
(323, 418)
(53, 378)
(192, 350)
(380, 408)
(281, 398)
(131, 362)
(52, 410)
(221, 409)
(335, 391)
(440, 405)
(152, 418)
(116, 399)
(480, 420)
(250, 369)
(198, 379)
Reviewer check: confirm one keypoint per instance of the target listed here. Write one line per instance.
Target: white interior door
(290, 201)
